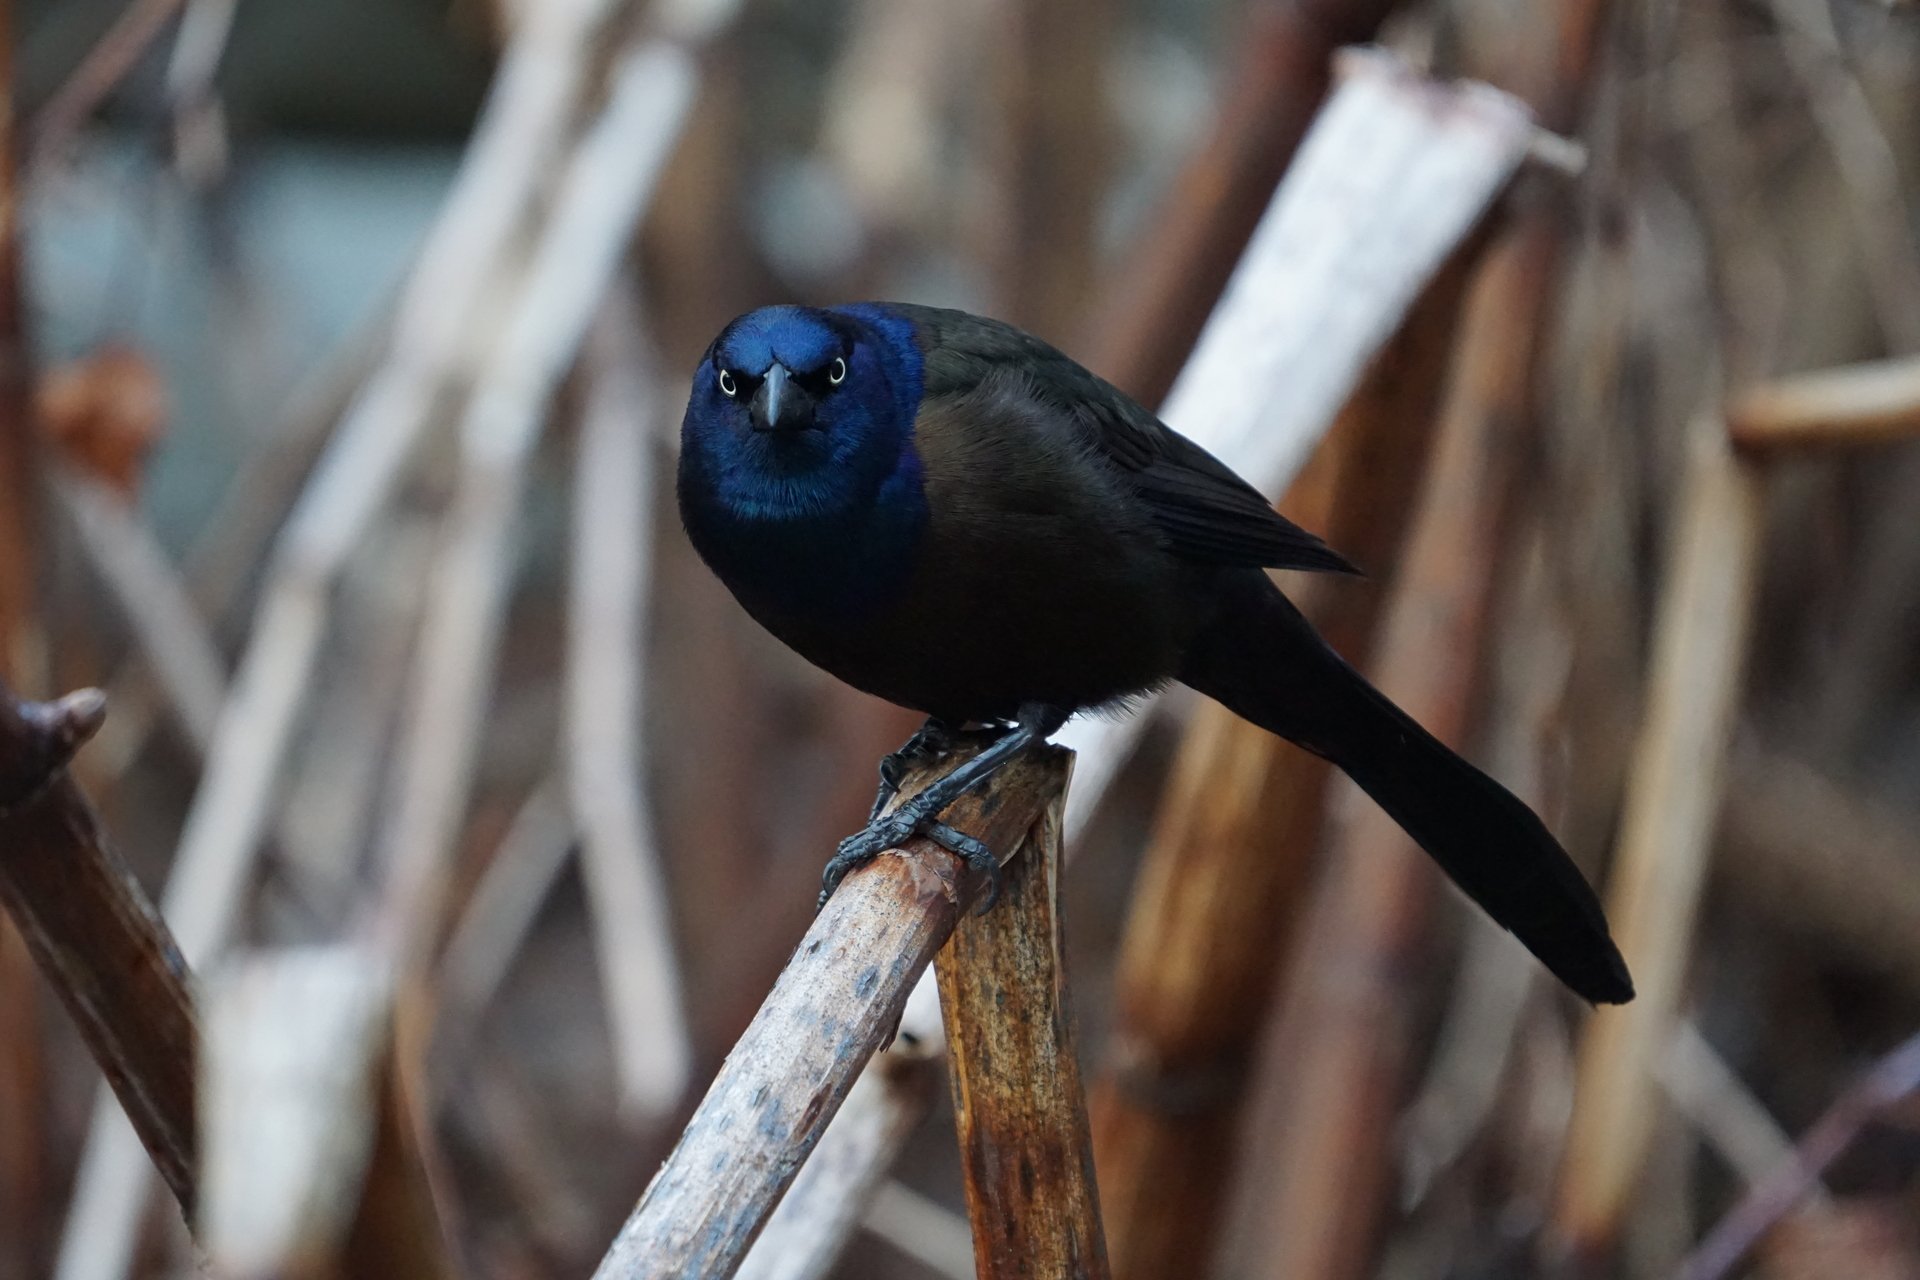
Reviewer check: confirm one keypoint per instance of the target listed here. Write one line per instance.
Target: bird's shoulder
(1203, 509)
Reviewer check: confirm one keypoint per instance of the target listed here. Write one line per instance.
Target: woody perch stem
(834, 1005)
(93, 933)
(1025, 1146)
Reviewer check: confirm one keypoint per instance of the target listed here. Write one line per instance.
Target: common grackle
(950, 514)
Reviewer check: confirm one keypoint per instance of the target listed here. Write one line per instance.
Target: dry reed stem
(1026, 1150)
(614, 476)
(1708, 1092)
(1862, 404)
(1700, 641)
(1218, 893)
(1161, 303)
(95, 936)
(1394, 173)
(499, 915)
(833, 1006)
(539, 88)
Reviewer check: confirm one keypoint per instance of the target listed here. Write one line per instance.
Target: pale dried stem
(1863, 404)
(614, 477)
(1708, 1092)
(605, 188)
(1701, 633)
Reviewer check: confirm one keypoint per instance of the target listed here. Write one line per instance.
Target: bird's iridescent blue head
(805, 411)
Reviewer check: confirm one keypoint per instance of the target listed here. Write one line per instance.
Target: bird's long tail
(1267, 664)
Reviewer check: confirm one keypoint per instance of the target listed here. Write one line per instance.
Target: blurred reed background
(402, 640)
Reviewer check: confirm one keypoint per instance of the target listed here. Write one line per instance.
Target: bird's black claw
(978, 856)
(862, 847)
(896, 829)
(931, 741)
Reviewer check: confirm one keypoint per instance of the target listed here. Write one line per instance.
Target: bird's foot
(892, 830)
(932, 741)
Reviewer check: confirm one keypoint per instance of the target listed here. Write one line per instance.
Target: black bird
(950, 514)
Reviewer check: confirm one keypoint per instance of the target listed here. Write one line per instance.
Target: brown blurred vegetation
(197, 276)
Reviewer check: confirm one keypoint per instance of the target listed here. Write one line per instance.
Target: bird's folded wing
(1206, 511)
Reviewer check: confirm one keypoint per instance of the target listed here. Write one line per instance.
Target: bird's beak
(780, 404)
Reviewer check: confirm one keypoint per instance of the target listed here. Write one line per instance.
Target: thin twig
(833, 1006)
(1706, 1090)
(169, 629)
(500, 914)
(105, 66)
(1893, 1078)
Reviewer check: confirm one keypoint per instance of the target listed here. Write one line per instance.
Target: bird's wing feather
(1204, 510)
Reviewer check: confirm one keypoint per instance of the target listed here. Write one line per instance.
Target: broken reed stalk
(1700, 641)
(1160, 304)
(1220, 888)
(96, 938)
(1025, 1147)
(833, 1006)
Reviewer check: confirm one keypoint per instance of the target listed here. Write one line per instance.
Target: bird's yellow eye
(728, 387)
(837, 372)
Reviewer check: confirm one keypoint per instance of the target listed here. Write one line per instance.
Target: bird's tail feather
(1267, 664)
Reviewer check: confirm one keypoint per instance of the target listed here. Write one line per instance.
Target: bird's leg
(920, 815)
(930, 741)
